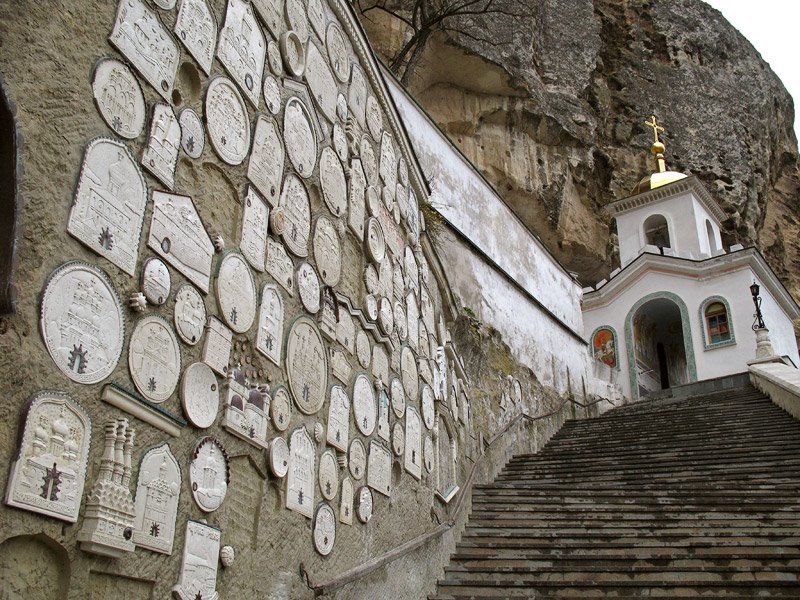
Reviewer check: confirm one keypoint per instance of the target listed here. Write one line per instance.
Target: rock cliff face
(550, 106)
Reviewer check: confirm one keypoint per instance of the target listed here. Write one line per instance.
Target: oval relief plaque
(274, 59)
(306, 365)
(340, 143)
(338, 52)
(190, 314)
(408, 368)
(200, 395)
(279, 457)
(364, 504)
(193, 136)
(398, 397)
(324, 529)
(363, 349)
(376, 244)
(156, 281)
(398, 439)
(369, 161)
(385, 315)
(333, 182)
(298, 134)
(281, 408)
(298, 20)
(308, 288)
(357, 458)
(208, 474)
(428, 407)
(297, 215)
(374, 118)
(227, 121)
(328, 475)
(272, 94)
(236, 292)
(154, 358)
(119, 98)
(327, 251)
(428, 452)
(365, 409)
(82, 323)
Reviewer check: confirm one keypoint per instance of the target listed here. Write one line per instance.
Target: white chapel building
(679, 309)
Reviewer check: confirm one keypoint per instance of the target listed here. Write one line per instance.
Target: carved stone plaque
(400, 321)
(369, 161)
(338, 434)
(328, 475)
(340, 142)
(298, 21)
(193, 136)
(294, 53)
(82, 323)
(274, 60)
(426, 307)
(178, 235)
(346, 502)
(398, 439)
(321, 82)
(200, 395)
(49, 469)
(412, 315)
(281, 408)
(428, 407)
(280, 266)
(364, 407)
(428, 454)
(269, 338)
(408, 368)
(217, 349)
(379, 468)
(374, 118)
(376, 245)
(297, 209)
(373, 200)
(308, 287)
(324, 529)
(154, 358)
(302, 467)
(371, 281)
(272, 94)
(255, 218)
(413, 455)
(338, 52)
(242, 48)
(271, 12)
(388, 164)
(265, 168)
(357, 95)
(156, 281)
(340, 367)
(356, 199)
(364, 504)
(306, 365)
(157, 491)
(197, 29)
(227, 121)
(346, 331)
(190, 314)
(341, 108)
(119, 98)
(236, 292)
(363, 349)
(357, 459)
(380, 364)
(327, 251)
(198, 578)
(383, 414)
(301, 142)
(160, 156)
(109, 204)
(316, 16)
(398, 397)
(385, 315)
(140, 36)
(208, 474)
(333, 182)
(279, 457)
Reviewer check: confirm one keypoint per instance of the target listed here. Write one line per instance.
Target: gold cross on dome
(656, 127)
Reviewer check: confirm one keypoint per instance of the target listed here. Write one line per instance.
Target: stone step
(700, 549)
(592, 562)
(614, 518)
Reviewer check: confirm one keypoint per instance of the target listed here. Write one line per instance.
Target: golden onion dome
(662, 176)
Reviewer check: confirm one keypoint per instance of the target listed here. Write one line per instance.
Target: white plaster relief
(157, 492)
(301, 141)
(279, 457)
(269, 337)
(408, 367)
(316, 16)
(110, 200)
(357, 459)
(197, 29)
(363, 349)
(379, 468)
(298, 21)
(297, 210)
(308, 287)
(329, 313)
(392, 232)
(190, 314)
(413, 453)
(380, 364)
(227, 120)
(271, 12)
(242, 48)
(306, 365)
(357, 95)
(346, 502)
(280, 265)
(281, 408)
(246, 410)
(236, 292)
(49, 468)
(376, 244)
(398, 397)
(324, 529)
(328, 475)
(340, 142)
(412, 315)
(178, 236)
(198, 577)
(357, 187)
(369, 161)
(301, 478)
(255, 218)
(400, 321)
(383, 414)
(154, 358)
(374, 118)
(321, 81)
(208, 474)
(193, 135)
(385, 315)
(140, 36)
(119, 98)
(274, 58)
(338, 434)
(294, 53)
(217, 349)
(327, 251)
(428, 407)
(200, 395)
(272, 94)
(364, 407)
(156, 281)
(346, 331)
(398, 439)
(428, 454)
(160, 156)
(338, 52)
(333, 182)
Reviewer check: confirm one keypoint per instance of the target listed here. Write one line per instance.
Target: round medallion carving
(306, 365)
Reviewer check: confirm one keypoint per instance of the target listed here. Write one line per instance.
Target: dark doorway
(662, 365)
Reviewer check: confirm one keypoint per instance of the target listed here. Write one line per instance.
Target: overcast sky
(771, 26)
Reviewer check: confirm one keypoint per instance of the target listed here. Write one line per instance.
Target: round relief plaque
(327, 251)
(236, 292)
(371, 307)
(190, 314)
(373, 200)
(340, 143)
(119, 98)
(428, 453)
(156, 281)
(385, 316)
(398, 397)
(357, 458)
(400, 323)
(398, 439)
(408, 369)
(227, 121)
(208, 474)
(364, 504)
(368, 161)
(324, 529)
(154, 358)
(294, 54)
(365, 410)
(332, 180)
(374, 118)
(272, 94)
(306, 365)
(328, 475)
(363, 349)
(281, 408)
(299, 137)
(428, 406)
(308, 287)
(341, 108)
(200, 395)
(371, 281)
(337, 52)
(279, 457)
(193, 136)
(274, 59)
(296, 210)
(82, 323)
(376, 244)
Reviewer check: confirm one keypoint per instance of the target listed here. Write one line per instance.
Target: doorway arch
(660, 317)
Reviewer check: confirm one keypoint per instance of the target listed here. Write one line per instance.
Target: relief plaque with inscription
(197, 30)
(306, 365)
(301, 478)
(338, 434)
(119, 98)
(269, 338)
(227, 120)
(242, 48)
(154, 358)
(379, 468)
(265, 168)
(236, 292)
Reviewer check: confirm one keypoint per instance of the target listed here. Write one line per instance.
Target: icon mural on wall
(110, 200)
(269, 337)
(242, 48)
(160, 156)
(49, 469)
(301, 481)
(193, 135)
(157, 493)
(198, 578)
(604, 346)
(200, 395)
(81, 322)
(119, 98)
(306, 365)
(208, 474)
(154, 358)
(227, 121)
(197, 30)
(236, 292)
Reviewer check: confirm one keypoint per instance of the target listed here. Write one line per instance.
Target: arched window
(712, 239)
(717, 326)
(656, 232)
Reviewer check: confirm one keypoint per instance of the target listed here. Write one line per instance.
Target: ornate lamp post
(758, 323)
(764, 349)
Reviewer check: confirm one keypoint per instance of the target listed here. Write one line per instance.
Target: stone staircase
(673, 498)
